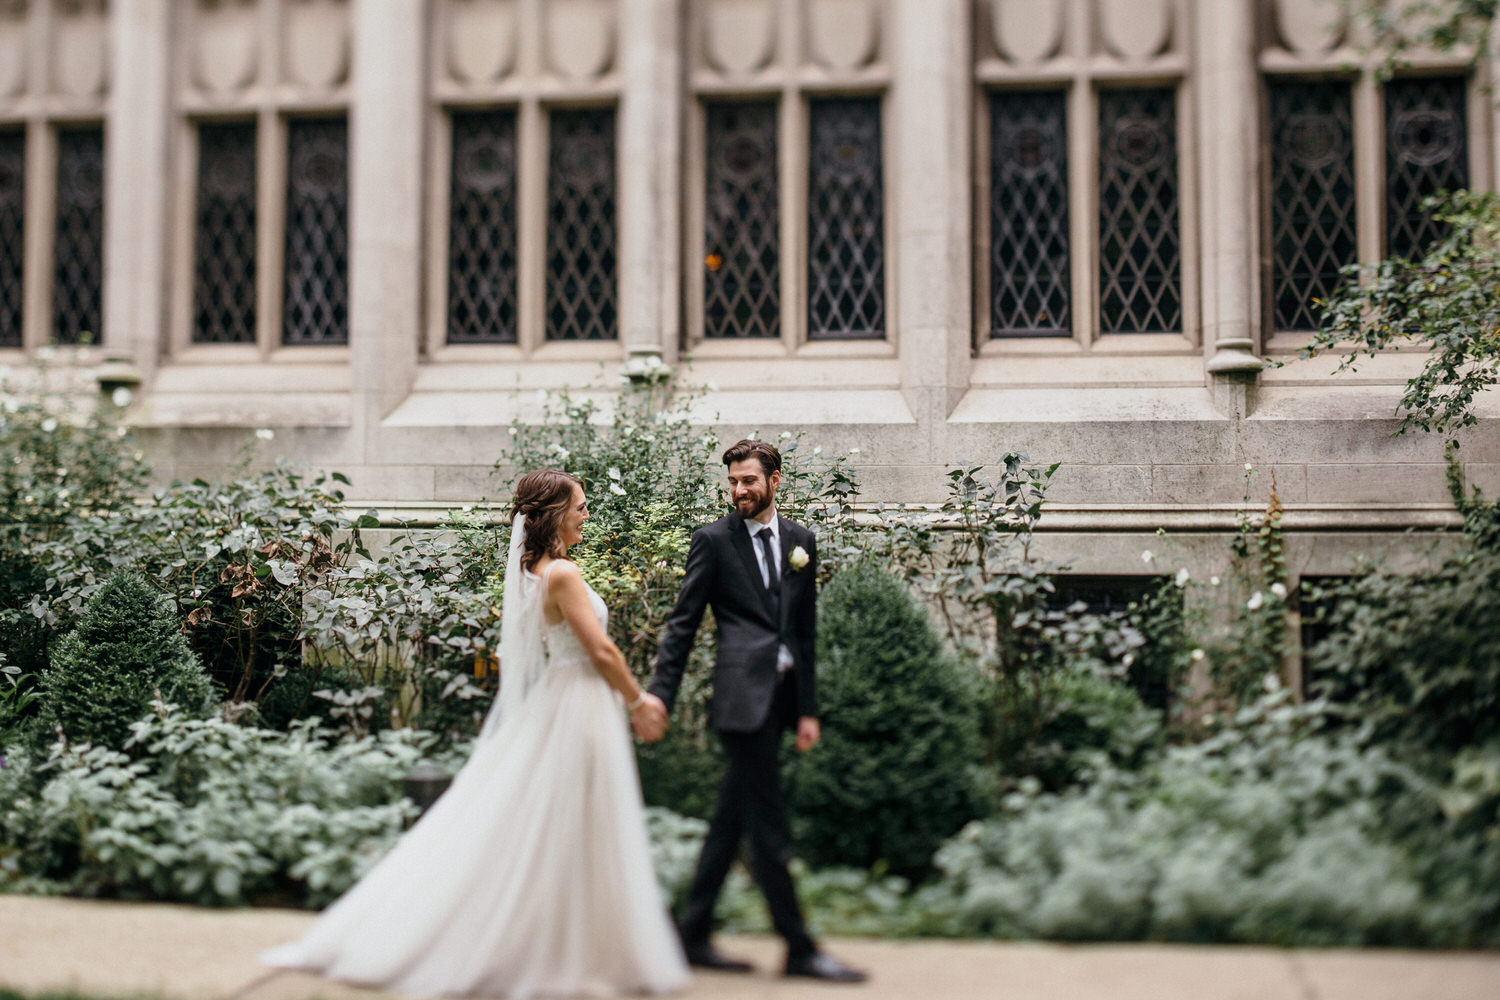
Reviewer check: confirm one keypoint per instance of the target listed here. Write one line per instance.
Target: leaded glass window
(1312, 197)
(1029, 275)
(741, 248)
(482, 229)
(846, 221)
(581, 251)
(1426, 151)
(315, 304)
(1140, 253)
(78, 258)
(12, 232)
(224, 243)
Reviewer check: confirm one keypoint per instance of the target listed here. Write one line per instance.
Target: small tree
(125, 651)
(895, 773)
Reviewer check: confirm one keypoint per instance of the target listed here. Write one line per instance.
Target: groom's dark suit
(752, 703)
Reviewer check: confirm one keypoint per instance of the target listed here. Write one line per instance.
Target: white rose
(1182, 577)
(797, 559)
(1256, 600)
(1279, 589)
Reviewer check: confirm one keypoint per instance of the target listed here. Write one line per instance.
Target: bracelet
(639, 701)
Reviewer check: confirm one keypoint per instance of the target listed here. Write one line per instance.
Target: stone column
(1225, 86)
(932, 99)
(386, 132)
(136, 182)
(650, 177)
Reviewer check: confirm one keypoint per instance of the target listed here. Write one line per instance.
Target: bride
(531, 875)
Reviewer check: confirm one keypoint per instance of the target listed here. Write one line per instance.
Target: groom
(758, 572)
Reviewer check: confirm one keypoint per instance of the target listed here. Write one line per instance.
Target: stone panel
(739, 36)
(1310, 28)
(1372, 483)
(316, 40)
(14, 56)
(843, 34)
(225, 40)
(580, 37)
(1026, 31)
(80, 48)
(481, 39)
(1135, 30)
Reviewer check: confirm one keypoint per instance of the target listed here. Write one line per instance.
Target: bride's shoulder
(560, 570)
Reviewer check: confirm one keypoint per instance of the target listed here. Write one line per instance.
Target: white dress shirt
(783, 655)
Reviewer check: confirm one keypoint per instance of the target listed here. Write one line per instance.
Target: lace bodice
(560, 641)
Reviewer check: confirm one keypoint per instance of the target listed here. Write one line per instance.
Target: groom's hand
(650, 720)
(808, 733)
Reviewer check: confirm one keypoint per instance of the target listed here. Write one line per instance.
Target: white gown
(531, 876)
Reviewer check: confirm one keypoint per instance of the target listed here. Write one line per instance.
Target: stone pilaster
(385, 206)
(650, 176)
(932, 96)
(1225, 91)
(136, 179)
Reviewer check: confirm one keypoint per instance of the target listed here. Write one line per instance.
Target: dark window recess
(78, 247)
(224, 238)
(1149, 672)
(846, 221)
(482, 269)
(741, 242)
(582, 299)
(1312, 198)
(1029, 256)
(12, 234)
(315, 305)
(1426, 151)
(1140, 254)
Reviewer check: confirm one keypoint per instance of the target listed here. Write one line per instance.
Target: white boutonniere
(797, 558)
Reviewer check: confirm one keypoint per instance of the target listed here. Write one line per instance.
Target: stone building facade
(934, 230)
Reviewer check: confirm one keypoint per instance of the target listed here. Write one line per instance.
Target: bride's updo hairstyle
(543, 496)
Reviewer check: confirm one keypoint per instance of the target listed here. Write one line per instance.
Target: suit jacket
(722, 573)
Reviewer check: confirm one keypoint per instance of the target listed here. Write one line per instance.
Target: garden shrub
(1417, 657)
(125, 651)
(894, 774)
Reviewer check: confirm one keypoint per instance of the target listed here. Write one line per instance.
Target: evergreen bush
(895, 773)
(127, 649)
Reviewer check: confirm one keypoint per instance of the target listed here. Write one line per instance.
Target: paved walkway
(187, 953)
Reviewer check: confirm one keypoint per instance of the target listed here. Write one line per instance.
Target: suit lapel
(739, 537)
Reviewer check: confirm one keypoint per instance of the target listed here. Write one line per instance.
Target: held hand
(808, 733)
(649, 720)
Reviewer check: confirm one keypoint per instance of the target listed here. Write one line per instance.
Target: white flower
(797, 558)
(712, 386)
(46, 353)
(854, 451)
(1256, 600)
(1147, 556)
(121, 431)
(1271, 683)
(49, 425)
(784, 435)
(617, 489)
(1208, 719)
(1249, 467)
(1197, 655)
(818, 450)
(1213, 581)
(265, 433)
(1279, 589)
(560, 452)
(513, 432)
(121, 397)
(63, 494)
(1127, 659)
(1182, 577)
(612, 472)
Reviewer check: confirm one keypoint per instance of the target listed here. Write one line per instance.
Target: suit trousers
(750, 804)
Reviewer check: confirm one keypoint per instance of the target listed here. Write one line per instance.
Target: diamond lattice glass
(315, 305)
(1426, 151)
(846, 221)
(482, 229)
(581, 251)
(1029, 278)
(78, 254)
(224, 244)
(12, 234)
(1140, 255)
(741, 245)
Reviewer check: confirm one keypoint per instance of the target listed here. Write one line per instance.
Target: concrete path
(187, 953)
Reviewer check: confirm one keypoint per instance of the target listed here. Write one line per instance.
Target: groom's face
(750, 490)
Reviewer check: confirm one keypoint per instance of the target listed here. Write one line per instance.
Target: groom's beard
(751, 506)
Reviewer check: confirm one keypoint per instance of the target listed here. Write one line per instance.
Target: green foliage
(125, 651)
(1405, 27)
(1445, 302)
(17, 695)
(1416, 657)
(894, 774)
(205, 811)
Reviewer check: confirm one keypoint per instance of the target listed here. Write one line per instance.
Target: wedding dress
(531, 875)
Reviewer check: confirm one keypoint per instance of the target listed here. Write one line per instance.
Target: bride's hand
(649, 718)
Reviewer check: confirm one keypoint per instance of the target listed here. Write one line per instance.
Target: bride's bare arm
(567, 591)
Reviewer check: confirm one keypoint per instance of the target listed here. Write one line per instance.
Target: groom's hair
(766, 454)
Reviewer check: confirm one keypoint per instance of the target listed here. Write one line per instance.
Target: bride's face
(571, 528)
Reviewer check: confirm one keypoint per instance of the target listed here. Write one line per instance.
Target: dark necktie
(774, 584)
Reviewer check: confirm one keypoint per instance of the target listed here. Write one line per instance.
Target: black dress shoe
(706, 956)
(822, 966)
